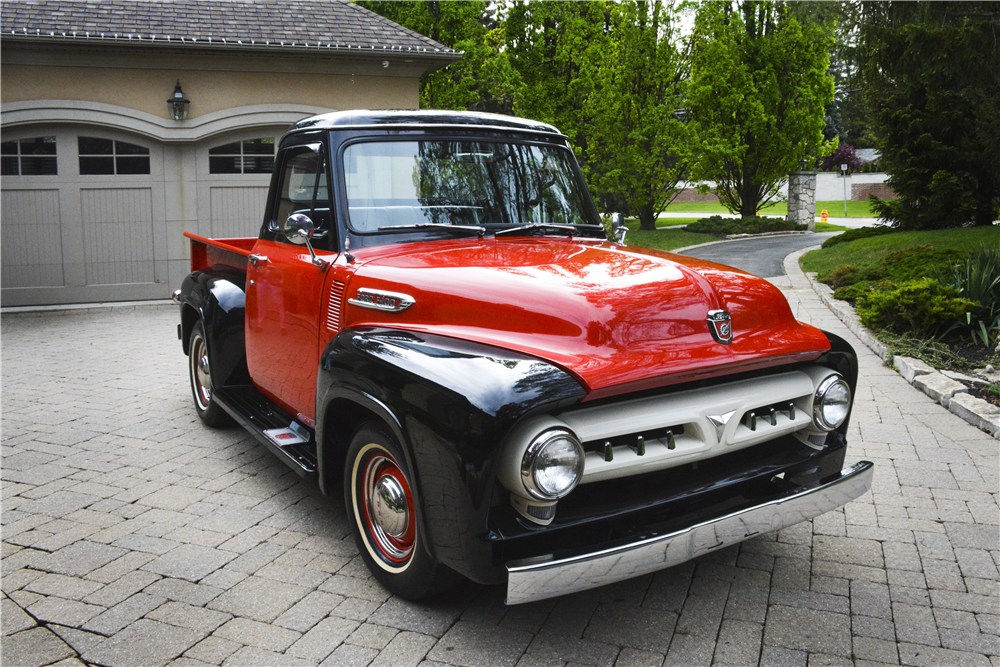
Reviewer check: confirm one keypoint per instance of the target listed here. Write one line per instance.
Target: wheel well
(189, 316)
(342, 417)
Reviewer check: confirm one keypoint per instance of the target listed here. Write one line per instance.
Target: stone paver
(132, 535)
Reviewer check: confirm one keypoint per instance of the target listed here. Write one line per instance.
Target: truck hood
(619, 318)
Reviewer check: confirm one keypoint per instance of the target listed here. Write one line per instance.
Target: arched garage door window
(100, 157)
(29, 157)
(249, 156)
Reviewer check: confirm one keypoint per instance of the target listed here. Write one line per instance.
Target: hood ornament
(720, 323)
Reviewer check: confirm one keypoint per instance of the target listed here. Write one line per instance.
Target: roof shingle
(333, 24)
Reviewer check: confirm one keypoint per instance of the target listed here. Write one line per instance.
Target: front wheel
(200, 372)
(379, 501)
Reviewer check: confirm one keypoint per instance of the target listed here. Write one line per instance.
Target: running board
(287, 439)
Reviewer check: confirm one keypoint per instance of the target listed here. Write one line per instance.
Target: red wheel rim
(387, 504)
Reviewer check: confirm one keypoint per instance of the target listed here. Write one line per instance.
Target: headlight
(552, 465)
(832, 403)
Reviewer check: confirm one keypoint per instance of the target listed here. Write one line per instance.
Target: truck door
(285, 287)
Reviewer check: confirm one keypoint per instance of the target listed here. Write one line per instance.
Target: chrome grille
(334, 305)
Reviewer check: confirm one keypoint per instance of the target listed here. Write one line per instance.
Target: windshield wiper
(573, 230)
(435, 225)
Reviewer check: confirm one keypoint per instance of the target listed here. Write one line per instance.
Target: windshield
(399, 186)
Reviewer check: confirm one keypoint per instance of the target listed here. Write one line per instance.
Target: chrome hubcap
(389, 508)
(201, 374)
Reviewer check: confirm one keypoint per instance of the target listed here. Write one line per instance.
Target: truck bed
(207, 252)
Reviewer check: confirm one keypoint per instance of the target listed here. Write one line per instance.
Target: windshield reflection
(400, 184)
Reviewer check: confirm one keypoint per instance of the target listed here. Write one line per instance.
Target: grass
(867, 252)
(633, 223)
(822, 227)
(835, 209)
(665, 239)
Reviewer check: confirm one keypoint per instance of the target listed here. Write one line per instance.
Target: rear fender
(450, 404)
(217, 297)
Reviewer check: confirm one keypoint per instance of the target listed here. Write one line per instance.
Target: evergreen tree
(759, 88)
(932, 80)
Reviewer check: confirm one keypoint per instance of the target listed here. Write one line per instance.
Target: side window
(110, 156)
(250, 156)
(28, 157)
(303, 189)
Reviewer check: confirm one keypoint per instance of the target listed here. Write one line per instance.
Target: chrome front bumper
(537, 578)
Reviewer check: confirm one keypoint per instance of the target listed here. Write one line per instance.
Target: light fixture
(178, 103)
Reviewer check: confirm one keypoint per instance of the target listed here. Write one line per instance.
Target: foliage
(855, 234)
(931, 73)
(758, 89)
(463, 26)
(844, 154)
(635, 139)
(855, 291)
(720, 226)
(935, 352)
(978, 279)
(924, 307)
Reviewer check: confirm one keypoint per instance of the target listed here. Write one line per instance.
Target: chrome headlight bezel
(533, 454)
(834, 382)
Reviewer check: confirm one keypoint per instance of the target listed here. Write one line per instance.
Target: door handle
(257, 259)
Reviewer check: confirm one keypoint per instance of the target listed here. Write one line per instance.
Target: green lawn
(822, 227)
(665, 239)
(868, 252)
(835, 209)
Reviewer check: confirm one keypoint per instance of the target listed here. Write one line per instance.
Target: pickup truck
(434, 321)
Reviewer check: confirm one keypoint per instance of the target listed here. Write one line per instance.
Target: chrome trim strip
(389, 302)
(537, 579)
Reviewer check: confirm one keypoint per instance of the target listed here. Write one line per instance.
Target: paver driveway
(133, 535)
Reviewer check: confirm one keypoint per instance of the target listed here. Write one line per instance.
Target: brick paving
(133, 535)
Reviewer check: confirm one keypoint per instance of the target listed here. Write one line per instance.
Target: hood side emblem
(389, 302)
(720, 323)
(720, 421)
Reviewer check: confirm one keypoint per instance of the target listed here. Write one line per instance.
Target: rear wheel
(379, 501)
(200, 372)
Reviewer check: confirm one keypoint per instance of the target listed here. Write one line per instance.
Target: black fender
(217, 297)
(450, 403)
(842, 358)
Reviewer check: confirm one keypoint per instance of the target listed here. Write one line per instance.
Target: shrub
(720, 226)
(859, 289)
(924, 307)
(978, 279)
(848, 274)
(918, 262)
(855, 234)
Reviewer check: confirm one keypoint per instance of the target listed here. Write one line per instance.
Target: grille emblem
(721, 325)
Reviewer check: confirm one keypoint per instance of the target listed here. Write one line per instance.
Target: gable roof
(228, 24)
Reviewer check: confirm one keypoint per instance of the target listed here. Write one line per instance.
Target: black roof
(367, 118)
(333, 25)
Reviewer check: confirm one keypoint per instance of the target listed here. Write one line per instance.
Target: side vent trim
(335, 306)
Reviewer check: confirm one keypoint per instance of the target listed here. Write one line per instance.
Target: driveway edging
(942, 389)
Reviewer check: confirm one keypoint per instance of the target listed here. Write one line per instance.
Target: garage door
(89, 215)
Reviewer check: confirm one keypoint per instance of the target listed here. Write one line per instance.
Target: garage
(118, 133)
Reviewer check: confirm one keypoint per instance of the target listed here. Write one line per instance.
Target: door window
(303, 189)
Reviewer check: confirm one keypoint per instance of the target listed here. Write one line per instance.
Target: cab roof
(413, 118)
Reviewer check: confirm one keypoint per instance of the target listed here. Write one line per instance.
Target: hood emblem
(721, 325)
(390, 302)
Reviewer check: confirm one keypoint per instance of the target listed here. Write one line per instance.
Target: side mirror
(299, 229)
(618, 227)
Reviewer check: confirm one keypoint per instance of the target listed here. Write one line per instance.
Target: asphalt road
(760, 256)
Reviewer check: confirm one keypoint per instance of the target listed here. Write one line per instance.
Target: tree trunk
(647, 219)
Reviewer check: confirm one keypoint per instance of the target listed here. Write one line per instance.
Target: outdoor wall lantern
(178, 103)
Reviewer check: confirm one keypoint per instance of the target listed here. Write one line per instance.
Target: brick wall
(860, 191)
(690, 195)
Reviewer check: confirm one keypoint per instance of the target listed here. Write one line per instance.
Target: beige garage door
(81, 217)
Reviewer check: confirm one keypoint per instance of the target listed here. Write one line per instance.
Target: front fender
(450, 403)
(217, 296)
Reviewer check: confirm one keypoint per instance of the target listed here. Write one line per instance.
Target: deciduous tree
(759, 87)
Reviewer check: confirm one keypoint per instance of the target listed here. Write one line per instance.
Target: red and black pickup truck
(434, 321)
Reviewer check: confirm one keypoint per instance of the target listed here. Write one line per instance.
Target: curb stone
(950, 393)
